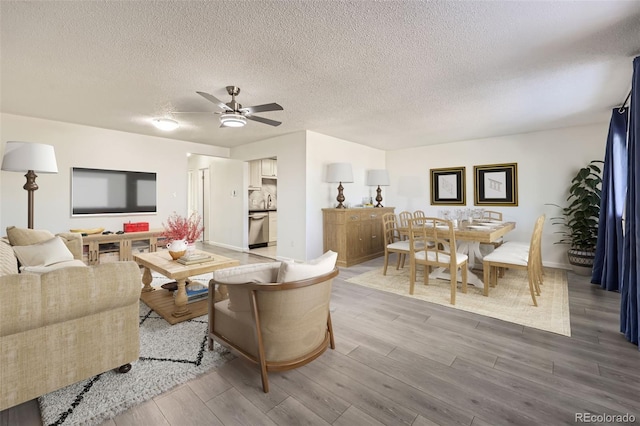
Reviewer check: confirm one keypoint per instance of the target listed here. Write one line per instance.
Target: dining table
(469, 236)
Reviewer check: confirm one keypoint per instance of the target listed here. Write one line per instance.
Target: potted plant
(580, 218)
(183, 228)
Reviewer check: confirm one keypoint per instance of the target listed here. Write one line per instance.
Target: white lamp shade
(340, 172)
(25, 156)
(377, 177)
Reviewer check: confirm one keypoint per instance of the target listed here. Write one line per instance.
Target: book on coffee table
(196, 258)
(195, 292)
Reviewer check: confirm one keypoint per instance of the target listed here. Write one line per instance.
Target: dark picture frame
(448, 186)
(496, 185)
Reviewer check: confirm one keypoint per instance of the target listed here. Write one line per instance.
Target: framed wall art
(448, 186)
(496, 185)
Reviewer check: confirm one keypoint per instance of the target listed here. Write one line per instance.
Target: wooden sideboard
(355, 234)
(99, 248)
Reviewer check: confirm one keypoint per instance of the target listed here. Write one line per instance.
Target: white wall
(226, 222)
(546, 163)
(323, 150)
(83, 146)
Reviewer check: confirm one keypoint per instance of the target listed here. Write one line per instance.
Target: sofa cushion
(257, 273)
(26, 237)
(292, 271)
(43, 254)
(8, 261)
(60, 265)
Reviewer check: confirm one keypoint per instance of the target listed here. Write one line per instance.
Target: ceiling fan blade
(262, 108)
(263, 120)
(215, 100)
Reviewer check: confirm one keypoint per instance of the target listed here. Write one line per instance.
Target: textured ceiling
(390, 75)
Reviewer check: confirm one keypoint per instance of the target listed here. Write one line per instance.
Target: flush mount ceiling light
(165, 124)
(232, 119)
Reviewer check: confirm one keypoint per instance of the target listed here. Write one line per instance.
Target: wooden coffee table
(175, 310)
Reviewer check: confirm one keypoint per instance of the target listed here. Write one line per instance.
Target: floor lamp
(379, 178)
(339, 173)
(31, 158)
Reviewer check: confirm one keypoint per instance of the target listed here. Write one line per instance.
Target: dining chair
(432, 244)
(518, 256)
(403, 219)
(524, 248)
(418, 214)
(393, 242)
(492, 215)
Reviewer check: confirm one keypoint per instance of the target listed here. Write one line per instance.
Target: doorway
(262, 217)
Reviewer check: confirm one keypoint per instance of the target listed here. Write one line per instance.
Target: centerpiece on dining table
(181, 233)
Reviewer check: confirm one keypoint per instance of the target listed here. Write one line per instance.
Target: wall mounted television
(106, 192)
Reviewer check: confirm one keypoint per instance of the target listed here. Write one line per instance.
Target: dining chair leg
(412, 276)
(486, 276)
(465, 275)
(454, 284)
(398, 261)
(532, 289)
(404, 257)
(386, 262)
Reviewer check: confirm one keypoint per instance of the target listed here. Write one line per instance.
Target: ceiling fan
(235, 115)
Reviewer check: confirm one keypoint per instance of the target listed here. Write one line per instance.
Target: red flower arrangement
(182, 228)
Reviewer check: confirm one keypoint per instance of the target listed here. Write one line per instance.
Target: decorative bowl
(175, 255)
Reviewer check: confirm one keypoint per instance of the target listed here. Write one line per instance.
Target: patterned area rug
(169, 355)
(510, 300)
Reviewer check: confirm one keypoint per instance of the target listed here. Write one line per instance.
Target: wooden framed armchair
(277, 314)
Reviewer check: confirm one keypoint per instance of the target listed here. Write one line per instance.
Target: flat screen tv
(104, 192)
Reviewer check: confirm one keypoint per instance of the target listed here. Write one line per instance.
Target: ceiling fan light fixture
(232, 119)
(165, 124)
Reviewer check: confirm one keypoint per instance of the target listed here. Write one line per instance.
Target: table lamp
(340, 172)
(31, 158)
(379, 178)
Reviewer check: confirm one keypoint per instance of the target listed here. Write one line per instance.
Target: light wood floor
(403, 361)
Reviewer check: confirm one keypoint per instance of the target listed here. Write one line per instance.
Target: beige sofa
(62, 322)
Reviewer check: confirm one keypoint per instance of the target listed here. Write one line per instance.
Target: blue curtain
(629, 303)
(607, 266)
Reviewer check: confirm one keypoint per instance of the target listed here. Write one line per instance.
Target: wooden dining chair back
(393, 242)
(518, 256)
(492, 215)
(403, 220)
(418, 214)
(433, 244)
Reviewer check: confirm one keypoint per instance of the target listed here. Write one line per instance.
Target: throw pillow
(291, 271)
(257, 273)
(26, 237)
(43, 254)
(8, 262)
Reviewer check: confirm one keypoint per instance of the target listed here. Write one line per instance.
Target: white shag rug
(510, 300)
(169, 355)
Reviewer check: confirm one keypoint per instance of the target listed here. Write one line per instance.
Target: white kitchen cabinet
(255, 174)
(269, 167)
(273, 227)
